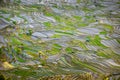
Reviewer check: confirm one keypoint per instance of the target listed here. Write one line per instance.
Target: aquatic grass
(82, 45)
(69, 50)
(109, 54)
(21, 60)
(83, 64)
(78, 1)
(24, 36)
(63, 32)
(68, 28)
(56, 36)
(68, 7)
(3, 11)
(49, 14)
(107, 26)
(57, 18)
(55, 6)
(15, 41)
(78, 18)
(24, 73)
(30, 48)
(65, 62)
(28, 9)
(1, 16)
(47, 24)
(78, 43)
(84, 76)
(35, 6)
(85, 9)
(57, 46)
(91, 20)
(103, 32)
(32, 53)
(50, 26)
(118, 40)
(54, 50)
(82, 24)
(96, 40)
(103, 54)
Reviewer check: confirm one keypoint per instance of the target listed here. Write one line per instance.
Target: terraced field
(79, 41)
